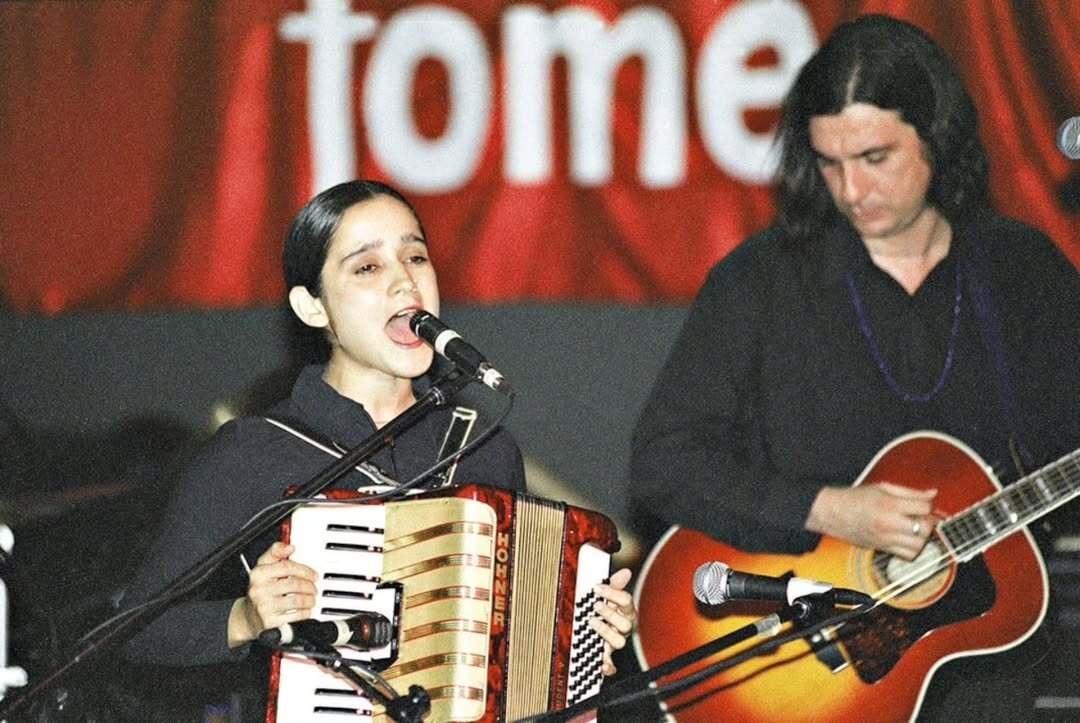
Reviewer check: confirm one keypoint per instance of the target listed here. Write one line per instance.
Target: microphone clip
(411, 707)
(812, 607)
(808, 610)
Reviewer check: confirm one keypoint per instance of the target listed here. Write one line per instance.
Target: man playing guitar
(888, 297)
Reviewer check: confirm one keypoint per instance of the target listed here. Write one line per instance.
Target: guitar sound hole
(907, 584)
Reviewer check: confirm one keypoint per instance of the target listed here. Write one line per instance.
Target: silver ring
(916, 527)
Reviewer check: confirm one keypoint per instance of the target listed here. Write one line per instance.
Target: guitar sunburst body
(883, 660)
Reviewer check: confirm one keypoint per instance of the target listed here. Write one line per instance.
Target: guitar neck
(986, 522)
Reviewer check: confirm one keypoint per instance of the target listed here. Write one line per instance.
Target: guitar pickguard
(875, 641)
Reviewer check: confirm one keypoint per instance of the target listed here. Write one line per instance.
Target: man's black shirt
(772, 390)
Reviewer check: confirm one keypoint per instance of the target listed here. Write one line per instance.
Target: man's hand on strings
(881, 516)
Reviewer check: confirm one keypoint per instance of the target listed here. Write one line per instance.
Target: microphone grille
(1068, 138)
(417, 319)
(710, 583)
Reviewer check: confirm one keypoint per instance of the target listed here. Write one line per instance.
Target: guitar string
(930, 567)
(926, 569)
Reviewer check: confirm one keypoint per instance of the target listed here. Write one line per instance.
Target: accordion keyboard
(442, 550)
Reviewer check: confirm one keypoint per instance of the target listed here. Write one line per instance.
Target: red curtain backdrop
(152, 154)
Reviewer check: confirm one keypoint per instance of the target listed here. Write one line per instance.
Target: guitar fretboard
(989, 520)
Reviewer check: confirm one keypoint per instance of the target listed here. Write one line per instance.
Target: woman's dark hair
(893, 65)
(309, 236)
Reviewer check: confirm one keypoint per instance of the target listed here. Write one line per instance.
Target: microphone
(449, 344)
(716, 583)
(364, 631)
(1068, 138)
(7, 541)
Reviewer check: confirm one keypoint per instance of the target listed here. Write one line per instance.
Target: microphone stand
(13, 676)
(801, 610)
(409, 708)
(437, 395)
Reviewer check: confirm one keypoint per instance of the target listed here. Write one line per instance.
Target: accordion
(489, 592)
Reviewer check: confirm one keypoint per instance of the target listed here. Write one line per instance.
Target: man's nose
(853, 185)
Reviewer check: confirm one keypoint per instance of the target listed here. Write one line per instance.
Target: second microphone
(364, 631)
(715, 583)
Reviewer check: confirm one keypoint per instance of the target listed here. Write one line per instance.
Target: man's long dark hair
(893, 65)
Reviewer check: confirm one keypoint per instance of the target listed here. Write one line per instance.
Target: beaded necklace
(883, 366)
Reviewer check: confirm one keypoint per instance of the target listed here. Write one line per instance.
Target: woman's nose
(404, 282)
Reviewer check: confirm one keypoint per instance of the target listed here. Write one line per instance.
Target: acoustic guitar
(978, 587)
